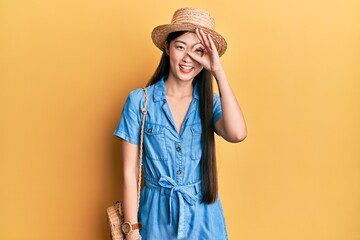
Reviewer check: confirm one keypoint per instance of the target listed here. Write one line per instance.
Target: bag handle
(143, 111)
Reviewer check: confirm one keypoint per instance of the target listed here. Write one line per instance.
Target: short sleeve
(217, 113)
(130, 122)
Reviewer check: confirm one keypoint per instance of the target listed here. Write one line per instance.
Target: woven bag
(115, 213)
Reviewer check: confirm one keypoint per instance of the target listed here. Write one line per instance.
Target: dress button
(178, 172)
(149, 130)
(178, 149)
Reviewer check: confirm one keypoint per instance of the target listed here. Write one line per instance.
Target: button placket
(178, 171)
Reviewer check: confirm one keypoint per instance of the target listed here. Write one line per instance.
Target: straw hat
(188, 19)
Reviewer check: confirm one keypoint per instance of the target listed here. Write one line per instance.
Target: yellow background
(66, 68)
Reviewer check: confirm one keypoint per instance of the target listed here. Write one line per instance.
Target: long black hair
(208, 158)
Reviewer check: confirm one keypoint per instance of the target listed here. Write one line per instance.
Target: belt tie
(184, 195)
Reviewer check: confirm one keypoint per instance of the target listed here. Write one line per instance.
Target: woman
(180, 195)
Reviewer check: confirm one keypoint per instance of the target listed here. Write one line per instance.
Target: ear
(167, 45)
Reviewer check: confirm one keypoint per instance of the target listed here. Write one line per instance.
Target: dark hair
(208, 158)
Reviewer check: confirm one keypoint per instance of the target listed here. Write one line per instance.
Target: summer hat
(188, 19)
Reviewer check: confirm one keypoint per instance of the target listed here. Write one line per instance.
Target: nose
(187, 57)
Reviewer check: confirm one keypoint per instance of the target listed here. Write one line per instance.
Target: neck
(178, 89)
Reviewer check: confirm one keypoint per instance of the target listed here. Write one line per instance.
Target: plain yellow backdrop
(66, 68)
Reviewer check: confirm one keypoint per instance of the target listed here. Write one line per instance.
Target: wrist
(133, 235)
(218, 74)
(131, 230)
(127, 227)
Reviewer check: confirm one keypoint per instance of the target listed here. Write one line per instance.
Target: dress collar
(160, 91)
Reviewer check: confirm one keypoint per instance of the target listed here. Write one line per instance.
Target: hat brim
(160, 33)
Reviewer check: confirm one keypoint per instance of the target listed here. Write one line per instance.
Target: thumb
(195, 57)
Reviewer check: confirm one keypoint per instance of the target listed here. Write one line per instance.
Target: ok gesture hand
(209, 59)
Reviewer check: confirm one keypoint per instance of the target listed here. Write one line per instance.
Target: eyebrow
(180, 41)
(185, 42)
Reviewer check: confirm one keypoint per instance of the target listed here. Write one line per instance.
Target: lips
(186, 69)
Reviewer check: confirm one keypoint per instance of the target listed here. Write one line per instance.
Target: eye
(199, 51)
(180, 47)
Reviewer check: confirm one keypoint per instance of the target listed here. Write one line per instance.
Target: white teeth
(186, 67)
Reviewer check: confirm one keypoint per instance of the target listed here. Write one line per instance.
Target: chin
(187, 76)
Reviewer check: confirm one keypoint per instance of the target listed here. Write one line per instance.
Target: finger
(200, 60)
(206, 40)
(197, 31)
(195, 57)
(212, 44)
(198, 46)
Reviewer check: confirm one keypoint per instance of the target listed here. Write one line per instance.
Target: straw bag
(115, 213)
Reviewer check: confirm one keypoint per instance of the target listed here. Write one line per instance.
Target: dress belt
(183, 194)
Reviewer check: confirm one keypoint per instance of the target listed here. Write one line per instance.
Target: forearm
(130, 166)
(234, 126)
(130, 155)
(129, 193)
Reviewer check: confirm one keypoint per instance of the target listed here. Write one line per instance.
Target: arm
(129, 156)
(232, 125)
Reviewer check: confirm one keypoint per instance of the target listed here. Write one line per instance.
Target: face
(182, 66)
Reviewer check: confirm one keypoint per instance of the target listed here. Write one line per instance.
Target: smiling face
(182, 66)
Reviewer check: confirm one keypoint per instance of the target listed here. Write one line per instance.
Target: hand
(209, 59)
(133, 235)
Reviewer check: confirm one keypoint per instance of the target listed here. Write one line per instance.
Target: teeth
(186, 67)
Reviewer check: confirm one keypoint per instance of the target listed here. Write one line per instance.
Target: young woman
(180, 195)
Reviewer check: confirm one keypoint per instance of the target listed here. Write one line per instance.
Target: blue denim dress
(170, 203)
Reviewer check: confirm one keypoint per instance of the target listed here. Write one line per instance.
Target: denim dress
(170, 202)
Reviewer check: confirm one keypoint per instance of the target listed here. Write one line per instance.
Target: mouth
(186, 69)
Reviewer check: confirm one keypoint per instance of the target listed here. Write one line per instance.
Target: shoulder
(139, 93)
(137, 96)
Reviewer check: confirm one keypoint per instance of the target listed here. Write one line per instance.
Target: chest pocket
(154, 142)
(196, 142)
